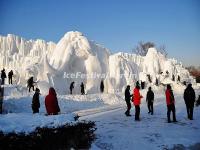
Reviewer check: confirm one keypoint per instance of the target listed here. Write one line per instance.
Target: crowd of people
(189, 98)
(3, 76)
(52, 107)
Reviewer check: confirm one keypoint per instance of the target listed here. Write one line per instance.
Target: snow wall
(75, 58)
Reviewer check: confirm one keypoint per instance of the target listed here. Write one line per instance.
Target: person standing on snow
(150, 99)
(51, 102)
(3, 76)
(179, 78)
(71, 87)
(102, 86)
(189, 97)
(10, 74)
(170, 104)
(136, 101)
(82, 89)
(36, 101)
(30, 84)
(128, 100)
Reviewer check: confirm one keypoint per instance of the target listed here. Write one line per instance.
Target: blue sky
(117, 24)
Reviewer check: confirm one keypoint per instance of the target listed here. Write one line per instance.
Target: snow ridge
(74, 53)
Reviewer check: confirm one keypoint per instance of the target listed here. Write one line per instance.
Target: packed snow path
(116, 131)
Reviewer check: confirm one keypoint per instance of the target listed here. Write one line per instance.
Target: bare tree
(162, 50)
(142, 48)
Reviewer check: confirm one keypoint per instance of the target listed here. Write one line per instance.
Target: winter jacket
(82, 89)
(102, 86)
(189, 96)
(136, 97)
(36, 101)
(150, 96)
(3, 74)
(71, 85)
(127, 95)
(10, 74)
(51, 103)
(169, 97)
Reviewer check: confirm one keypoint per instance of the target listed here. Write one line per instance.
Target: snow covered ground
(17, 113)
(76, 58)
(114, 129)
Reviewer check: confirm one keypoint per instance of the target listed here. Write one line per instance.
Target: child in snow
(170, 104)
(136, 101)
(36, 101)
(51, 102)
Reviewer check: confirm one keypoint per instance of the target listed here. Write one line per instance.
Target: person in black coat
(189, 97)
(128, 100)
(71, 87)
(102, 86)
(150, 100)
(3, 76)
(36, 101)
(179, 78)
(30, 84)
(10, 74)
(82, 89)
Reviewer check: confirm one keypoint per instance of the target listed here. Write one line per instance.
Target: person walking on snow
(71, 87)
(36, 101)
(150, 99)
(82, 89)
(189, 97)
(170, 104)
(10, 74)
(3, 76)
(51, 102)
(128, 100)
(136, 101)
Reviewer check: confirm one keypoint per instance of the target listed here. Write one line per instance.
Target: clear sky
(116, 24)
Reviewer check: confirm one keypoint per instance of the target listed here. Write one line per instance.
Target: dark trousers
(82, 92)
(137, 112)
(31, 86)
(10, 80)
(2, 81)
(190, 111)
(70, 91)
(35, 110)
(150, 107)
(170, 108)
(128, 103)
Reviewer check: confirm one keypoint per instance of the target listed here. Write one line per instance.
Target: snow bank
(17, 112)
(27, 122)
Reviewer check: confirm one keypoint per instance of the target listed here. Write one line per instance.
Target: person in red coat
(51, 102)
(170, 104)
(136, 101)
